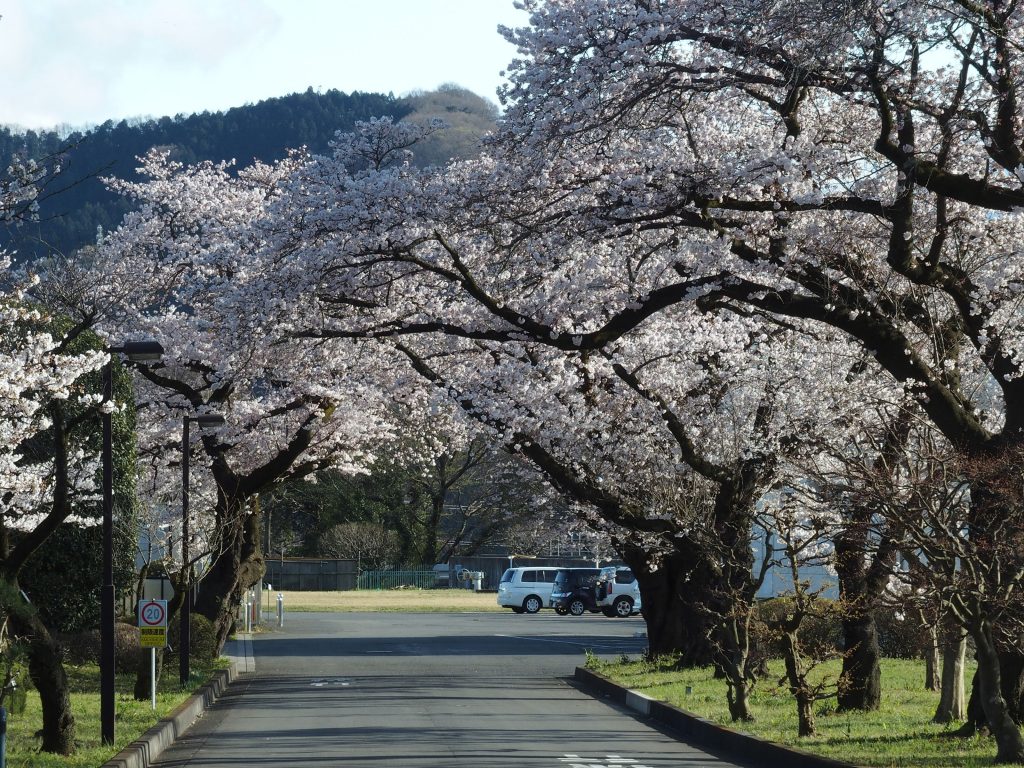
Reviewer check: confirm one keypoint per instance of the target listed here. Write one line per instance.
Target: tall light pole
(133, 350)
(185, 639)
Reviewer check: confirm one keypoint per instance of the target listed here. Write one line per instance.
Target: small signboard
(152, 623)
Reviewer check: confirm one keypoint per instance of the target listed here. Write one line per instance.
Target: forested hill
(69, 219)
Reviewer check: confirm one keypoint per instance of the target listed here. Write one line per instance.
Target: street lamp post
(133, 350)
(185, 639)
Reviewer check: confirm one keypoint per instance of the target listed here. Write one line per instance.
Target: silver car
(618, 592)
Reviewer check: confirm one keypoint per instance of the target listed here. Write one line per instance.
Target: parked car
(575, 590)
(618, 593)
(527, 589)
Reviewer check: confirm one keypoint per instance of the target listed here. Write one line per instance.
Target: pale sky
(80, 62)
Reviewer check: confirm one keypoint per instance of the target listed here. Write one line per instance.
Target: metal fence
(397, 579)
(311, 574)
(493, 566)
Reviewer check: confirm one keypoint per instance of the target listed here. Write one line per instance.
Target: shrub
(822, 633)
(202, 639)
(900, 637)
(84, 647)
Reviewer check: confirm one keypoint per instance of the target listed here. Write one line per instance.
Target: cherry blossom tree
(47, 474)
(388, 273)
(47, 467)
(182, 269)
(866, 177)
(403, 254)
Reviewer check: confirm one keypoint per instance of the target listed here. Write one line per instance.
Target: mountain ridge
(70, 219)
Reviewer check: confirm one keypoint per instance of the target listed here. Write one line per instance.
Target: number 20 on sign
(152, 623)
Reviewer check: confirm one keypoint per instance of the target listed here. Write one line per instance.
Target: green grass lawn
(132, 718)
(899, 734)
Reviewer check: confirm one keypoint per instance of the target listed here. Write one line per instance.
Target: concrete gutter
(143, 752)
(701, 732)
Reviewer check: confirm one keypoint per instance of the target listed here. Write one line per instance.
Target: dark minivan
(575, 590)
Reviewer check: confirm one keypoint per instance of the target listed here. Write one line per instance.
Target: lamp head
(208, 420)
(140, 350)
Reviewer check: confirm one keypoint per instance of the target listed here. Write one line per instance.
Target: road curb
(142, 752)
(700, 731)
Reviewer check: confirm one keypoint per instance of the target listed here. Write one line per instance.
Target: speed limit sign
(152, 623)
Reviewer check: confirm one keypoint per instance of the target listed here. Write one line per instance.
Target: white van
(526, 590)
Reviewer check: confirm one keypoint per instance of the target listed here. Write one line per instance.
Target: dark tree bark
(46, 665)
(1009, 743)
(1011, 665)
(975, 721)
(864, 562)
(736, 584)
(237, 566)
(46, 668)
(861, 687)
(677, 625)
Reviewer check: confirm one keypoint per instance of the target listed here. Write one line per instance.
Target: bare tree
(371, 545)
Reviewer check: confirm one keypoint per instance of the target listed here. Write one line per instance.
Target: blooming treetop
(34, 368)
(34, 372)
(183, 270)
(399, 253)
(867, 175)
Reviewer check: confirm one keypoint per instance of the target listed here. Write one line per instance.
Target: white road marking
(608, 761)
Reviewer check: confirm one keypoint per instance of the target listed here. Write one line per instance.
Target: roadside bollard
(248, 616)
(280, 609)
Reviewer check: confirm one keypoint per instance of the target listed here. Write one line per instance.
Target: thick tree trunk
(733, 588)
(738, 697)
(46, 668)
(864, 565)
(953, 701)
(45, 663)
(861, 677)
(1009, 743)
(1011, 666)
(672, 596)
(734, 659)
(861, 582)
(975, 722)
(238, 566)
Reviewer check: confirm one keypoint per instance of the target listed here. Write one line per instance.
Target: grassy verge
(406, 600)
(899, 734)
(132, 718)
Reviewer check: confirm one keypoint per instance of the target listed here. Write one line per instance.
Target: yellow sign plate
(152, 637)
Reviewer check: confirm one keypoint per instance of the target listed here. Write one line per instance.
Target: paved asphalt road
(483, 690)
